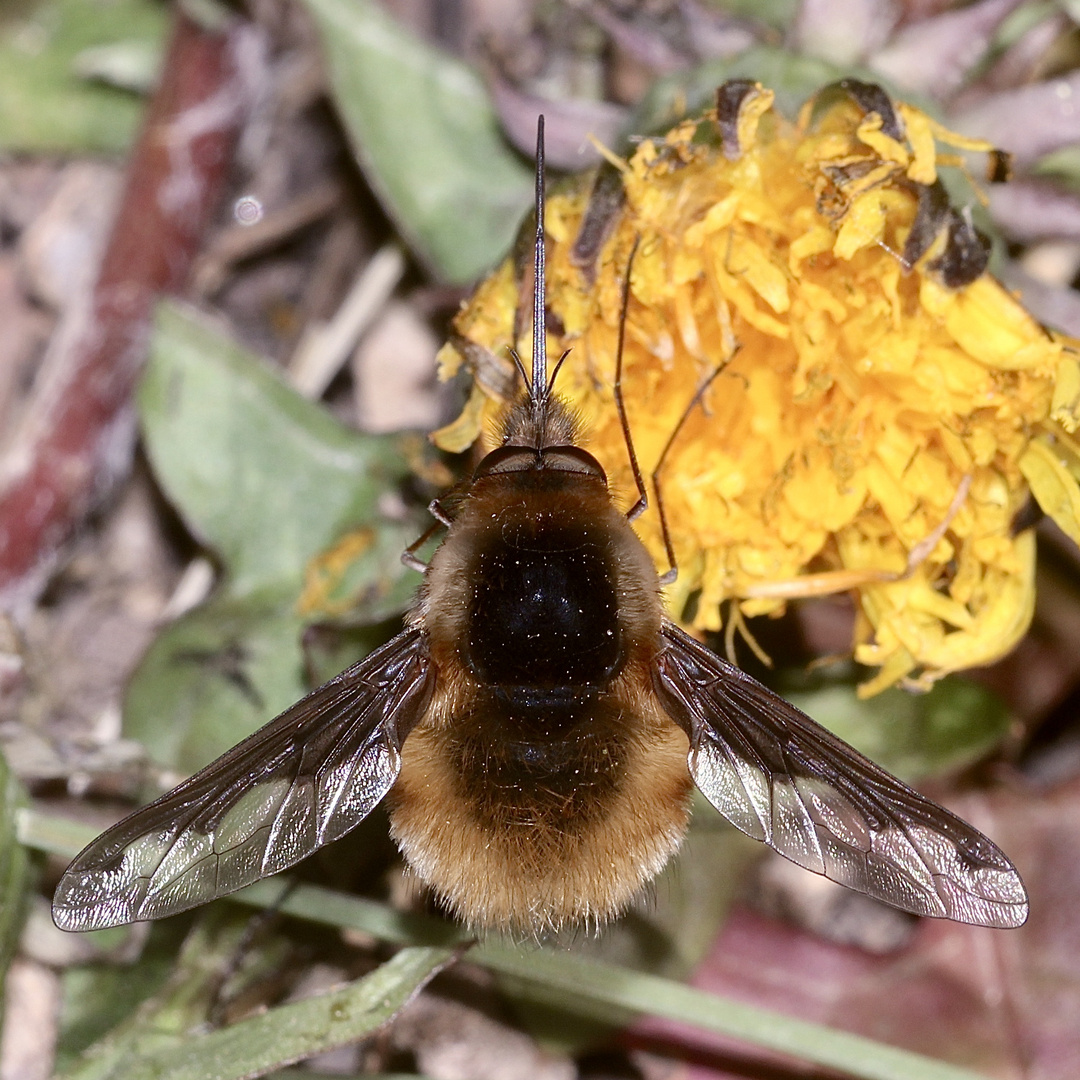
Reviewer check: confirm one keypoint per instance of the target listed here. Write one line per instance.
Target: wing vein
(259, 808)
(781, 777)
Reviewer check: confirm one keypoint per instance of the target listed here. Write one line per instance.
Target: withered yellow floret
(873, 428)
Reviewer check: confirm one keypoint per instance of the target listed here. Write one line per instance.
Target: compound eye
(507, 459)
(571, 459)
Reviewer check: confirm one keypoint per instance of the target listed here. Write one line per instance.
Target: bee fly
(536, 730)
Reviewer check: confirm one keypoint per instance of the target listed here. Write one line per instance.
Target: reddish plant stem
(77, 438)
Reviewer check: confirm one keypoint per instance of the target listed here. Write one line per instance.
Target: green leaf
(214, 676)
(912, 735)
(427, 138)
(603, 990)
(776, 13)
(58, 836)
(14, 867)
(162, 1023)
(1062, 166)
(270, 1040)
(268, 481)
(98, 997)
(334, 646)
(686, 93)
(44, 105)
(262, 476)
(606, 990)
(128, 65)
(296, 1031)
(1021, 20)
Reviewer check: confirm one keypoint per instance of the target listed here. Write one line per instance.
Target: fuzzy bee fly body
(545, 784)
(537, 729)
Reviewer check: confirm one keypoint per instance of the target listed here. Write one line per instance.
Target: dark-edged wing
(306, 778)
(783, 779)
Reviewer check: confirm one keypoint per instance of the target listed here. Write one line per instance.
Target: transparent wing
(306, 778)
(783, 779)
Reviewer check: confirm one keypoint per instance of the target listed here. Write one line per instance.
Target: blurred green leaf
(179, 1004)
(151, 1046)
(98, 997)
(300, 1029)
(685, 93)
(777, 13)
(264, 477)
(912, 735)
(58, 836)
(427, 138)
(128, 65)
(268, 481)
(14, 867)
(44, 104)
(214, 676)
(604, 990)
(332, 647)
(1022, 20)
(1062, 166)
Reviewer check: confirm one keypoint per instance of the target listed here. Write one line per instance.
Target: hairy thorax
(543, 785)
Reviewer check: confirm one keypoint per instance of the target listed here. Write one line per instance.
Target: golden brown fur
(526, 859)
(534, 877)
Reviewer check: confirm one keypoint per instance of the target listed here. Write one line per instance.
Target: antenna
(538, 389)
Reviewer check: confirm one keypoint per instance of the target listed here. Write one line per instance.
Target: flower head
(880, 409)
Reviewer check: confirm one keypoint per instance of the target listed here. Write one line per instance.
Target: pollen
(838, 397)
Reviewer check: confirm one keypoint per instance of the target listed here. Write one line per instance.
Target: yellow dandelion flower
(880, 408)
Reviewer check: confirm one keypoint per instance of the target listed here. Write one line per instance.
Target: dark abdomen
(543, 641)
(543, 609)
(528, 763)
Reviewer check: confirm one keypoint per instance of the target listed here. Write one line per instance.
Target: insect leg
(642, 503)
(673, 567)
(409, 556)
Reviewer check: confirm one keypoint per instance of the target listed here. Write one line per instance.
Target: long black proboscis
(539, 364)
